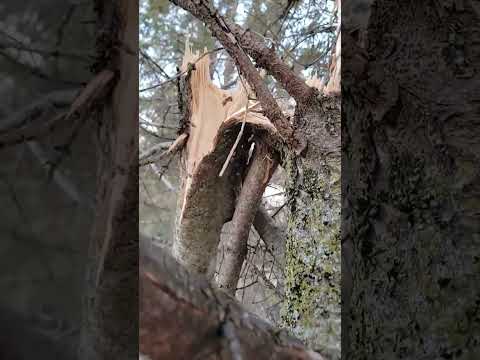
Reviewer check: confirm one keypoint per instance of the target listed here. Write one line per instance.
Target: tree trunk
(312, 255)
(182, 316)
(111, 318)
(411, 160)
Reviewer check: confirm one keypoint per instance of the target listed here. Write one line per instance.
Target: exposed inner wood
(212, 106)
(206, 200)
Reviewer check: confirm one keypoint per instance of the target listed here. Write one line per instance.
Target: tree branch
(269, 232)
(183, 316)
(151, 156)
(257, 178)
(55, 99)
(205, 12)
(268, 59)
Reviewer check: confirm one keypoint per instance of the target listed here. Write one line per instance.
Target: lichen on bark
(312, 307)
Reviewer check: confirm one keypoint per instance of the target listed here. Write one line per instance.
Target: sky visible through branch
(307, 30)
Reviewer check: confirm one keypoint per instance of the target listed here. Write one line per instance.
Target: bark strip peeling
(206, 201)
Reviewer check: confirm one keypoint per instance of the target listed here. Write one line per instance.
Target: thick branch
(253, 44)
(268, 59)
(250, 196)
(183, 317)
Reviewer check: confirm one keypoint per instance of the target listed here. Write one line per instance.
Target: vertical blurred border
(69, 183)
(410, 180)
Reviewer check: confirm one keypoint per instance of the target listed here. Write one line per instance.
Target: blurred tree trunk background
(68, 138)
(47, 182)
(411, 154)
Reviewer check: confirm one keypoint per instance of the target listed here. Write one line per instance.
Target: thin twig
(237, 141)
(180, 73)
(175, 147)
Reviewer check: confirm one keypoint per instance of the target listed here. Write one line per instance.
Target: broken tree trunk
(333, 86)
(182, 316)
(213, 161)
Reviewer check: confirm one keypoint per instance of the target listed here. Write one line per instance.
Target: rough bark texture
(111, 321)
(257, 178)
(183, 317)
(411, 155)
(313, 237)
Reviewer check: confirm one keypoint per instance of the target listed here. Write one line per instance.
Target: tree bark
(111, 318)
(313, 272)
(411, 155)
(182, 316)
(256, 180)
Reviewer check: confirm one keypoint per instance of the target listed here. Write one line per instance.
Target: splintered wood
(211, 107)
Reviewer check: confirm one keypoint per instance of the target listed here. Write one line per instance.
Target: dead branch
(180, 74)
(34, 70)
(63, 181)
(149, 156)
(182, 316)
(93, 91)
(266, 281)
(41, 117)
(51, 101)
(156, 148)
(258, 175)
(71, 55)
(46, 123)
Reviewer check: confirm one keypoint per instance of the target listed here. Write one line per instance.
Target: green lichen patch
(312, 307)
